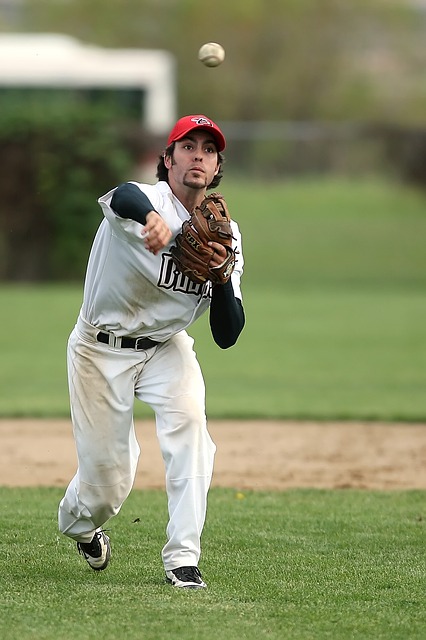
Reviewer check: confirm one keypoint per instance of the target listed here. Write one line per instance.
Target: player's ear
(167, 161)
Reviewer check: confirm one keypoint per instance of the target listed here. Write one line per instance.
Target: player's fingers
(218, 248)
(161, 237)
(156, 234)
(219, 254)
(165, 235)
(157, 239)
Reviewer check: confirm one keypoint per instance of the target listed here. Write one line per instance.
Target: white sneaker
(186, 577)
(97, 552)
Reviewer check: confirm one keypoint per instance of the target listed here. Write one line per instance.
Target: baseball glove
(210, 222)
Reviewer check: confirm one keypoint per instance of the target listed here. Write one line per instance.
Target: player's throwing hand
(156, 233)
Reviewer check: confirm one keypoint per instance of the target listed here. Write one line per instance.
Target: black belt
(139, 344)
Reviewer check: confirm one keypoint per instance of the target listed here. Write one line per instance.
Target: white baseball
(211, 54)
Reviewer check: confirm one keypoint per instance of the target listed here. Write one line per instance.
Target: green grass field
(336, 312)
(334, 296)
(301, 564)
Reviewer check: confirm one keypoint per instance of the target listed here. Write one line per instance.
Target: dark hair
(163, 172)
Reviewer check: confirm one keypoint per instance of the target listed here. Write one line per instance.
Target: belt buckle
(137, 347)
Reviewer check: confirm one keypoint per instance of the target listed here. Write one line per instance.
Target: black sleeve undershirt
(226, 311)
(227, 317)
(128, 201)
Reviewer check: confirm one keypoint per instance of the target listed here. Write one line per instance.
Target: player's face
(195, 161)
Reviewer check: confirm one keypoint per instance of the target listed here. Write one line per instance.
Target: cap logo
(201, 121)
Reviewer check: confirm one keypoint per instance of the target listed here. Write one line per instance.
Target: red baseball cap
(189, 123)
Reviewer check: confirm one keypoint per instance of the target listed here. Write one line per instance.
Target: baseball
(211, 54)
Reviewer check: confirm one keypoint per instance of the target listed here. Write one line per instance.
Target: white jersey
(129, 291)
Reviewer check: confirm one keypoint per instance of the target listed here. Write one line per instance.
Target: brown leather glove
(210, 222)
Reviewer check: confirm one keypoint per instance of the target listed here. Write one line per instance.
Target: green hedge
(59, 155)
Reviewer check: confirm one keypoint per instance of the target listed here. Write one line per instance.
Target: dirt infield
(250, 455)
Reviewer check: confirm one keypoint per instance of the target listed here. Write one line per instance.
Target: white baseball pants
(103, 383)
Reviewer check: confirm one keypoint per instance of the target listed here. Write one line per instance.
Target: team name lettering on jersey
(170, 278)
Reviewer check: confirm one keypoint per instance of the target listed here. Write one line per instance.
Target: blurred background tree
(56, 159)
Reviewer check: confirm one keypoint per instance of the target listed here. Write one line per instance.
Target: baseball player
(130, 341)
